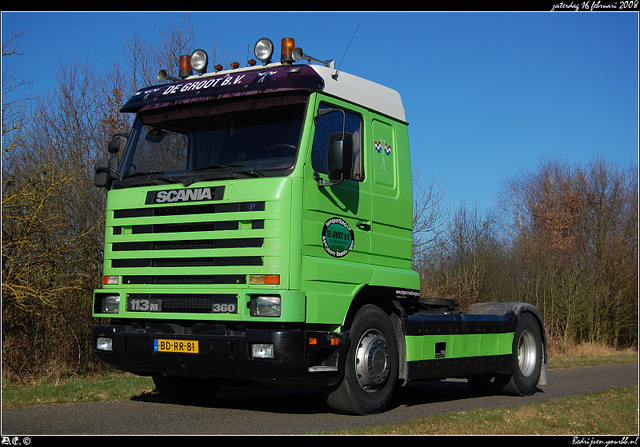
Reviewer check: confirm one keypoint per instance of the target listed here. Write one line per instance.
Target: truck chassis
(498, 347)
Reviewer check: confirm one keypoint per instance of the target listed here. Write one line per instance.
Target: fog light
(265, 306)
(262, 351)
(104, 344)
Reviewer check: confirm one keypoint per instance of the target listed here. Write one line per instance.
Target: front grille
(188, 227)
(183, 303)
(188, 262)
(188, 245)
(190, 209)
(184, 279)
(194, 256)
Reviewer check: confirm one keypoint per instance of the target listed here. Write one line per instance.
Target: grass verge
(610, 412)
(104, 387)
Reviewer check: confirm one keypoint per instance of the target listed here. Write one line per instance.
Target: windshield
(247, 137)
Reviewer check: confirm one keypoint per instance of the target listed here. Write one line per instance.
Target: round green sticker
(337, 237)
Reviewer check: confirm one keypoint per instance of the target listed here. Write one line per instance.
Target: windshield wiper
(155, 178)
(232, 168)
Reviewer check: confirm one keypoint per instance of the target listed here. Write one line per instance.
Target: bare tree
(429, 213)
(14, 104)
(53, 216)
(574, 236)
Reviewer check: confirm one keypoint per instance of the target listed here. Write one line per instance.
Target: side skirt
(458, 367)
(458, 345)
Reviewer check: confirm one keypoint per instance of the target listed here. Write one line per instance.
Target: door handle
(363, 226)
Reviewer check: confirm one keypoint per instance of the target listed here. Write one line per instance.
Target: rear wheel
(183, 390)
(526, 358)
(371, 365)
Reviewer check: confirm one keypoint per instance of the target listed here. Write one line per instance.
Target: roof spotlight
(199, 61)
(263, 49)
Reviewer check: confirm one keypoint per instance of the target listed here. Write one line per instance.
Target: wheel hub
(527, 356)
(372, 361)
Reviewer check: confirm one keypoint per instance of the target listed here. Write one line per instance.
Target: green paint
(458, 346)
(313, 236)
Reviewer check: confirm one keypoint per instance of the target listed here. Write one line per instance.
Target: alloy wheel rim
(372, 361)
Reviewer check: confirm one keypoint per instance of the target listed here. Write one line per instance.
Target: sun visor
(233, 83)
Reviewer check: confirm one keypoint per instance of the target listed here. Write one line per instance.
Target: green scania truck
(258, 229)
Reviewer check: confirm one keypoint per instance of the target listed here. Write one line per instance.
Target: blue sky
(487, 95)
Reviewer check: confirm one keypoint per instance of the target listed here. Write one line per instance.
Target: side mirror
(106, 169)
(105, 172)
(114, 145)
(340, 157)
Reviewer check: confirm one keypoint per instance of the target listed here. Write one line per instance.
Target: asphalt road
(287, 411)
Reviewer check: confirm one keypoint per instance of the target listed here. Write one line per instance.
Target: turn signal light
(273, 280)
(110, 280)
(333, 341)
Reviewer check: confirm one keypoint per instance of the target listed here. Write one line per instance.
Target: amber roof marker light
(185, 67)
(288, 44)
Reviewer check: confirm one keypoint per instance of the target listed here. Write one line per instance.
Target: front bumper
(224, 352)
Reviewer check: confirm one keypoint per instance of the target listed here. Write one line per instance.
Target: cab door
(336, 220)
(392, 217)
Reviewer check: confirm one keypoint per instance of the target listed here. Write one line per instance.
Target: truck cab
(258, 229)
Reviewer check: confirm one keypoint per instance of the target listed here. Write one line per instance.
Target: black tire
(188, 391)
(526, 358)
(371, 365)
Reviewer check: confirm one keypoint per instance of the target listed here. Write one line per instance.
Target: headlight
(265, 306)
(263, 49)
(111, 304)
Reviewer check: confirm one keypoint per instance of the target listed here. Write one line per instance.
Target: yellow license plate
(182, 346)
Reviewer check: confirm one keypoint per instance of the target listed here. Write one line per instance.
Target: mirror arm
(321, 113)
(109, 170)
(321, 182)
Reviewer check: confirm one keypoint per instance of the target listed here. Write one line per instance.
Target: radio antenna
(335, 75)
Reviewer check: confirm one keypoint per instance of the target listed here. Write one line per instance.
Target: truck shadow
(310, 400)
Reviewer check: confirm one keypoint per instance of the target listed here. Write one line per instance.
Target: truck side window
(332, 122)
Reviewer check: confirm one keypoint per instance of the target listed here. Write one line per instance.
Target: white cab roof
(362, 91)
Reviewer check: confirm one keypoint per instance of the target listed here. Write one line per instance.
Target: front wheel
(371, 365)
